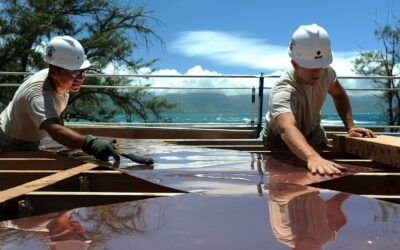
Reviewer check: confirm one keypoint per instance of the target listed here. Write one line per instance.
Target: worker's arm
(62, 134)
(298, 144)
(343, 107)
(101, 149)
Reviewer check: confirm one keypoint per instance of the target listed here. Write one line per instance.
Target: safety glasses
(76, 73)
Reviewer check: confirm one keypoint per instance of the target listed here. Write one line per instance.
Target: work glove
(101, 149)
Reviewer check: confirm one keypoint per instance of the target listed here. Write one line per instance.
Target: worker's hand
(317, 164)
(361, 132)
(101, 149)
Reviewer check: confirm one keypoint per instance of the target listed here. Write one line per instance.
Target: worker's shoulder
(38, 77)
(284, 85)
(35, 82)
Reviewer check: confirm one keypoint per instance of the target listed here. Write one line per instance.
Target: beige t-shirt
(304, 101)
(34, 102)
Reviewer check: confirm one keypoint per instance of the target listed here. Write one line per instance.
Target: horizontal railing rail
(192, 88)
(202, 76)
(198, 76)
(167, 86)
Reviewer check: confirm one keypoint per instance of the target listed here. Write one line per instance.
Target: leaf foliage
(112, 33)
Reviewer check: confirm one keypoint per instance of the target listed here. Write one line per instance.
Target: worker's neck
(56, 85)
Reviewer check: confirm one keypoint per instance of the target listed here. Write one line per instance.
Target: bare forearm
(297, 143)
(343, 107)
(64, 135)
(69, 138)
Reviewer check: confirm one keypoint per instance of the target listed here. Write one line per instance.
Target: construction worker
(293, 118)
(34, 112)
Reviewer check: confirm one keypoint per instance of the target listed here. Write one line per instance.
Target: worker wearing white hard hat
(295, 102)
(67, 53)
(34, 112)
(310, 47)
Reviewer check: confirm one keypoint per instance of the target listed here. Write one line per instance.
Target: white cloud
(236, 49)
(343, 65)
(198, 84)
(173, 84)
(233, 49)
(242, 50)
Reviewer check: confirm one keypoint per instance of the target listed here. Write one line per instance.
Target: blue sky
(251, 36)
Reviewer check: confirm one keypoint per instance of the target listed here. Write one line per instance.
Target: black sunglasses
(76, 73)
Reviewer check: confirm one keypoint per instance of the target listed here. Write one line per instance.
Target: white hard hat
(310, 47)
(67, 53)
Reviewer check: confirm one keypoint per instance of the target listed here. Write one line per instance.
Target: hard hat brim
(85, 64)
(313, 64)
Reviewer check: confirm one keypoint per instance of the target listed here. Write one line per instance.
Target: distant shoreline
(244, 118)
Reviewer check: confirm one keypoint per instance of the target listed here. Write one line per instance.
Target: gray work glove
(101, 149)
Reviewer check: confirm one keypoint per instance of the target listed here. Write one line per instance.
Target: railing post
(253, 106)
(260, 104)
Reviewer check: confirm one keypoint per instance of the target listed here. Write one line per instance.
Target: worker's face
(70, 80)
(308, 76)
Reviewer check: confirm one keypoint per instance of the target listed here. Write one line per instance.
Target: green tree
(385, 62)
(111, 32)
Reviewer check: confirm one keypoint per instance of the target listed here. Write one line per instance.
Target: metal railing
(261, 78)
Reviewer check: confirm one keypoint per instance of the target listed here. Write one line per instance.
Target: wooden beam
(364, 184)
(383, 149)
(236, 147)
(149, 194)
(384, 197)
(378, 174)
(55, 171)
(18, 171)
(35, 160)
(181, 130)
(114, 182)
(162, 132)
(214, 142)
(43, 182)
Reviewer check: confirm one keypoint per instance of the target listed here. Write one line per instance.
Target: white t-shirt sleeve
(282, 102)
(42, 108)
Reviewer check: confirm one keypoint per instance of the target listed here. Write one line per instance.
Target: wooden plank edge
(55, 193)
(43, 182)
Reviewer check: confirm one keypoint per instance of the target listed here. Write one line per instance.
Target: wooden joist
(214, 142)
(67, 194)
(163, 132)
(37, 182)
(43, 182)
(383, 149)
(35, 160)
(93, 181)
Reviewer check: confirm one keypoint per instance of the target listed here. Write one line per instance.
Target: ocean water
(245, 118)
(359, 119)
